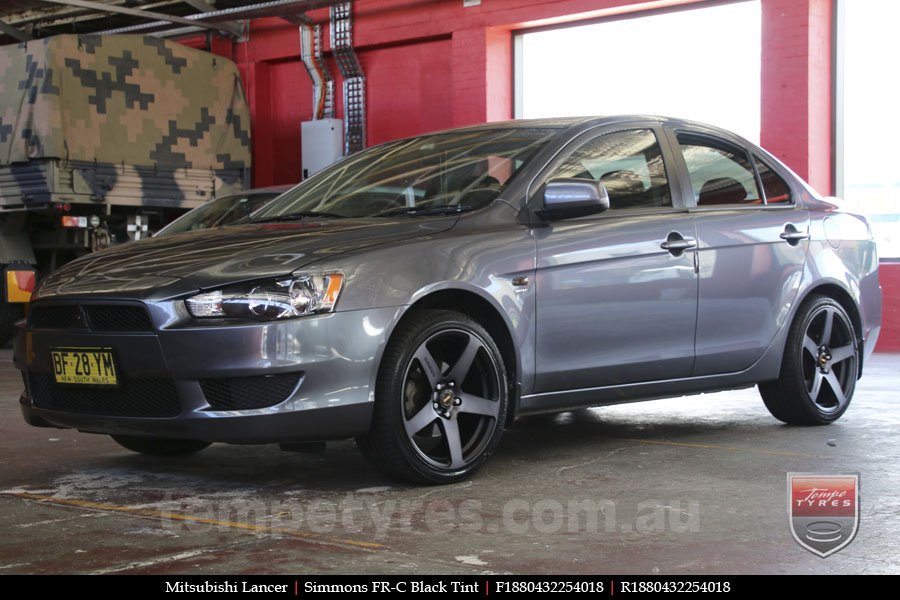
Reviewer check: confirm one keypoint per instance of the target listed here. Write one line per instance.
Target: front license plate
(90, 366)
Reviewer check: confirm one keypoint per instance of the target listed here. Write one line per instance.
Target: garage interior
(690, 485)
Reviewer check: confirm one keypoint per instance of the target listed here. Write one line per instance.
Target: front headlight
(269, 301)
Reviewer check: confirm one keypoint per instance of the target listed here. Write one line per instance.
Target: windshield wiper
(441, 209)
(300, 215)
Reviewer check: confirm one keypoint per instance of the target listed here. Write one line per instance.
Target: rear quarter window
(775, 188)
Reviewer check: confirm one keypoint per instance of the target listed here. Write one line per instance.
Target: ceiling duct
(352, 73)
(323, 83)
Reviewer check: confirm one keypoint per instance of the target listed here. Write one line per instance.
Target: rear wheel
(819, 368)
(440, 400)
(159, 446)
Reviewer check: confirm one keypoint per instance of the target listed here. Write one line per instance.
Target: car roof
(575, 124)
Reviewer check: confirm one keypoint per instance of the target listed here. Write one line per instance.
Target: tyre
(820, 366)
(159, 446)
(9, 314)
(440, 400)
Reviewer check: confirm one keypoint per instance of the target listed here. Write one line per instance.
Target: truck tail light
(73, 221)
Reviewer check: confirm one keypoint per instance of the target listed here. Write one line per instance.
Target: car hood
(182, 263)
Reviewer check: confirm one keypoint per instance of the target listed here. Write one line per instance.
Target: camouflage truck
(102, 137)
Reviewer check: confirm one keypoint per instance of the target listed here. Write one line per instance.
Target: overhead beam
(55, 15)
(207, 7)
(290, 10)
(13, 32)
(201, 5)
(134, 12)
(270, 8)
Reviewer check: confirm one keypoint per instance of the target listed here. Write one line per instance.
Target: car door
(616, 292)
(752, 247)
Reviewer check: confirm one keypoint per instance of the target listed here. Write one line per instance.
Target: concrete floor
(684, 486)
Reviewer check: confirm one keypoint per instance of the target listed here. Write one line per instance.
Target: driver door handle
(676, 243)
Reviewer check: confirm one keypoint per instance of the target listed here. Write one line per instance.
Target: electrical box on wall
(321, 143)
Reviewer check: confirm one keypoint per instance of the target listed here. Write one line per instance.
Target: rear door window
(721, 173)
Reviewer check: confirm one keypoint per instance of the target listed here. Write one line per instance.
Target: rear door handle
(792, 235)
(682, 244)
(676, 243)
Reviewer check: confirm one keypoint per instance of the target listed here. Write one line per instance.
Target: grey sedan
(420, 295)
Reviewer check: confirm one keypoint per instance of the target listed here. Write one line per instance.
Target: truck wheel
(9, 314)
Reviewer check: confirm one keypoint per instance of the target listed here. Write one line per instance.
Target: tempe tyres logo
(823, 511)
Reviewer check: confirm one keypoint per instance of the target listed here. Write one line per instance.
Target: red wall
(796, 87)
(419, 76)
(889, 340)
(432, 64)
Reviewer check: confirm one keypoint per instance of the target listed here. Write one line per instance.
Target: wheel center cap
(824, 359)
(446, 398)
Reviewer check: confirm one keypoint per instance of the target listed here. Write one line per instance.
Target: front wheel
(820, 366)
(440, 400)
(159, 446)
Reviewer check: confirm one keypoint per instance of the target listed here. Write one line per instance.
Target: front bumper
(331, 360)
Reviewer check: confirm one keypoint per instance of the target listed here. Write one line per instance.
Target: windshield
(445, 172)
(218, 212)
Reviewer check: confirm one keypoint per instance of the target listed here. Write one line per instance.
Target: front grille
(107, 318)
(133, 398)
(117, 318)
(66, 316)
(245, 393)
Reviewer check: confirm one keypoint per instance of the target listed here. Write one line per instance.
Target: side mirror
(570, 198)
